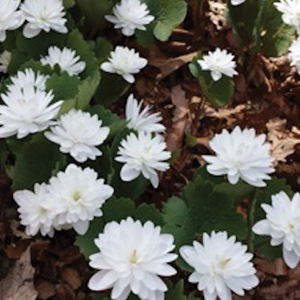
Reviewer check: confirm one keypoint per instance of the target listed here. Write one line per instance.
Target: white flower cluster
(27, 106)
(282, 223)
(130, 15)
(124, 62)
(218, 62)
(133, 256)
(71, 199)
(66, 59)
(78, 133)
(240, 154)
(145, 152)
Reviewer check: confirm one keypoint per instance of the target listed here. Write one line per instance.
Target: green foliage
(93, 12)
(63, 86)
(218, 93)
(118, 209)
(259, 26)
(201, 209)
(111, 88)
(31, 166)
(273, 35)
(168, 14)
(242, 19)
(86, 242)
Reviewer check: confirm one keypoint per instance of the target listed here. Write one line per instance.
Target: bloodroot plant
(88, 114)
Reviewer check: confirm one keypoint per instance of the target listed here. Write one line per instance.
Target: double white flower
(71, 200)
(78, 133)
(290, 10)
(132, 257)
(143, 154)
(218, 62)
(27, 107)
(130, 15)
(142, 120)
(10, 17)
(43, 15)
(282, 223)
(221, 265)
(66, 59)
(240, 154)
(125, 62)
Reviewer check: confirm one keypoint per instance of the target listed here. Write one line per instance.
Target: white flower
(79, 195)
(37, 210)
(78, 133)
(43, 15)
(130, 15)
(221, 265)
(10, 17)
(26, 111)
(143, 154)
(26, 79)
(125, 62)
(290, 10)
(142, 120)
(294, 54)
(65, 58)
(132, 257)
(282, 223)
(240, 154)
(218, 62)
(5, 58)
(237, 2)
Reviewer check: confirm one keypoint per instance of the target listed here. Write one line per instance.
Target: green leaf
(147, 212)
(35, 163)
(102, 49)
(176, 292)
(117, 209)
(68, 3)
(211, 210)
(63, 86)
(243, 18)
(168, 14)
(276, 36)
(178, 223)
(94, 12)
(218, 93)
(86, 242)
(111, 88)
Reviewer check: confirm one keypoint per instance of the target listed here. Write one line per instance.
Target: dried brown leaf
(282, 140)
(168, 66)
(274, 267)
(71, 277)
(180, 120)
(229, 114)
(18, 284)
